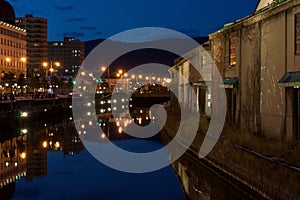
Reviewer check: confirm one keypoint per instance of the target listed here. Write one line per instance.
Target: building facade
(12, 44)
(259, 58)
(200, 83)
(69, 53)
(37, 37)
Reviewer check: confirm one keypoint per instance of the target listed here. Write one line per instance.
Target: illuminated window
(232, 51)
(297, 33)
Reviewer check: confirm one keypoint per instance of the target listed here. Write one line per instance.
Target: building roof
(7, 13)
(261, 9)
(290, 79)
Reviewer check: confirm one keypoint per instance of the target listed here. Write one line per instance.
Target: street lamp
(103, 68)
(9, 60)
(51, 69)
(120, 72)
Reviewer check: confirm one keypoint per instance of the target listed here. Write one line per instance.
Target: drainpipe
(283, 127)
(239, 101)
(257, 83)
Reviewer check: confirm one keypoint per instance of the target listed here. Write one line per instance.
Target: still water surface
(52, 163)
(46, 160)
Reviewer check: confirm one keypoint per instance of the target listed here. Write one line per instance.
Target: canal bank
(23, 109)
(260, 175)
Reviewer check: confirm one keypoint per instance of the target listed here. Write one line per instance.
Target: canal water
(45, 159)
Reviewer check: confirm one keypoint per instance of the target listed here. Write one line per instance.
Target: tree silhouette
(9, 78)
(21, 81)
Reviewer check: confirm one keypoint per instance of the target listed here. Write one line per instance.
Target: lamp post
(103, 68)
(9, 60)
(51, 69)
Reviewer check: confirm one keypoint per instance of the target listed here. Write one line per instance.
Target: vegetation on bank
(272, 166)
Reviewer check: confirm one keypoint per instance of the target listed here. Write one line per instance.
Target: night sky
(92, 19)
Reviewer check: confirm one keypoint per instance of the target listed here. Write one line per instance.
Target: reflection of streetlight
(23, 155)
(45, 144)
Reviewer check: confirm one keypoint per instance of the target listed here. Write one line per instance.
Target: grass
(275, 180)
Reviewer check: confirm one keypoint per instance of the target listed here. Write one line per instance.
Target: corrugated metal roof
(290, 79)
(230, 82)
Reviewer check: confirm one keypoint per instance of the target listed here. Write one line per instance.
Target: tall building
(37, 38)
(70, 54)
(12, 43)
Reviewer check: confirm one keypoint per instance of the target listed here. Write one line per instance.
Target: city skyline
(84, 20)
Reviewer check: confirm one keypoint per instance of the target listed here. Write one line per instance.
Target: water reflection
(199, 182)
(47, 160)
(115, 128)
(24, 153)
(13, 159)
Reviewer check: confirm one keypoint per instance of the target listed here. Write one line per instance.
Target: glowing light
(45, 144)
(57, 145)
(120, 130)
(24, 114)
(23, 59)
(103, 136)
(23, 155)
(24, 131)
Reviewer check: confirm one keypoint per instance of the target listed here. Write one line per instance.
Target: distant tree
(34, 82)
(69, 84)
(44, 83)
(55, 80)
(9, 78)
(21, 81)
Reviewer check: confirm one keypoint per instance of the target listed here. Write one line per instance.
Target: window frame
(232, 51)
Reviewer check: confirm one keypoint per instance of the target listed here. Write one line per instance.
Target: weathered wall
(265, 51)
(272, 102)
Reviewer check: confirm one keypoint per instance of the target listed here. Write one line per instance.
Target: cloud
(77, 19)
(64, 8)
(74, 34)
(88, 28)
